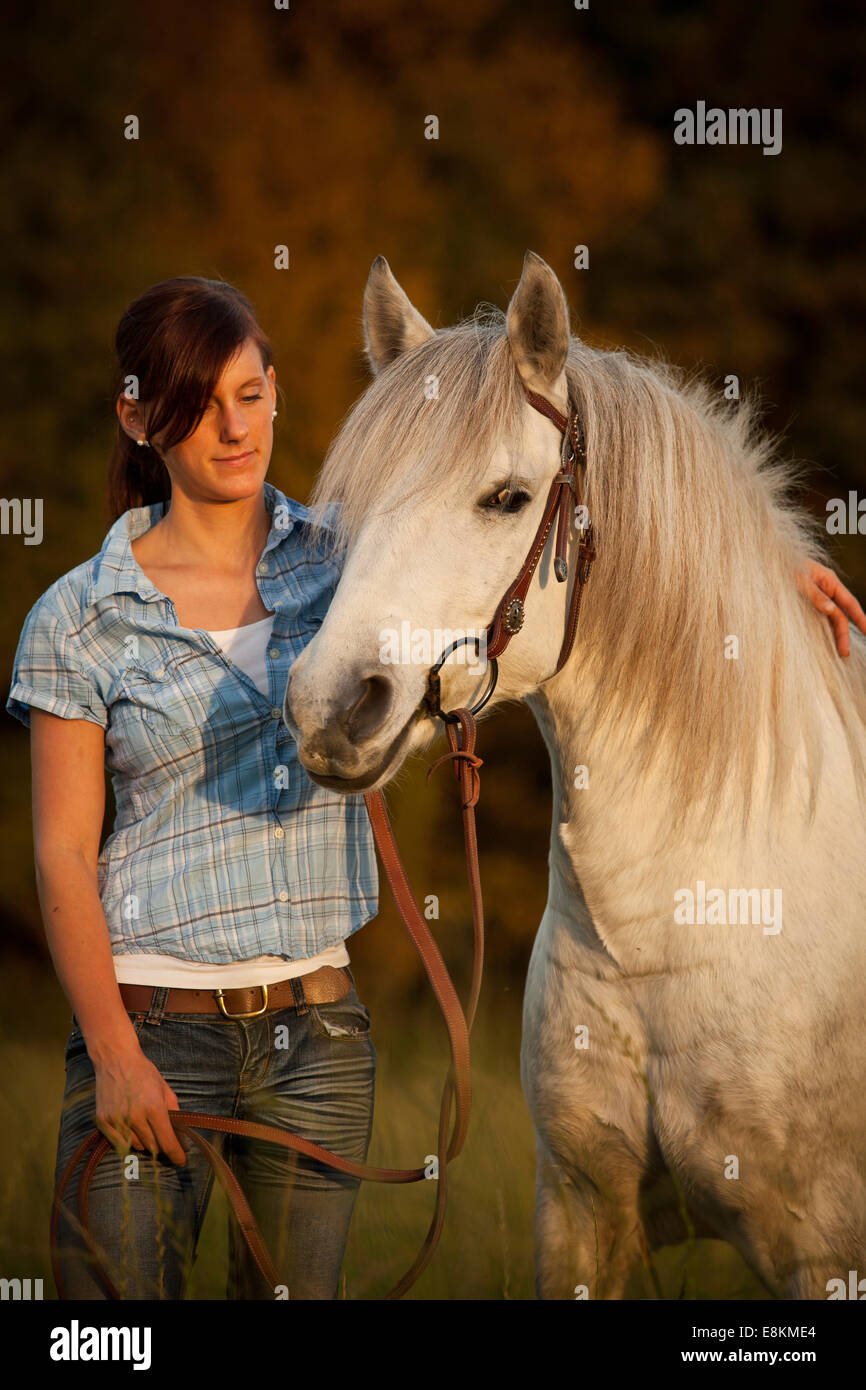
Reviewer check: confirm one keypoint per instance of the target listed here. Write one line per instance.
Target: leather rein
(457, 1091)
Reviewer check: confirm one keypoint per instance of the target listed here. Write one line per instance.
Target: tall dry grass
(486, 1248)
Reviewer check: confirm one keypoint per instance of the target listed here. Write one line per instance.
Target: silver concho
(514, 615)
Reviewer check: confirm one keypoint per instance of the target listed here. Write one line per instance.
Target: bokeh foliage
(261, 127)
(306, 127)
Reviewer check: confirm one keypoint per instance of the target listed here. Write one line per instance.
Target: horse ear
(538, 330)
(392, 324)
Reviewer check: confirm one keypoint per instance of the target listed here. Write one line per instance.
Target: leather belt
(322, 986)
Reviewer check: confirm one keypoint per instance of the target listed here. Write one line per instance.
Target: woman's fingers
(169, 1144)
(840, 631)
(118, 1137)
(828, 594)
(146, 1129)
(818, 597)
(832, 585)
(172, 1103)
(153, 1132)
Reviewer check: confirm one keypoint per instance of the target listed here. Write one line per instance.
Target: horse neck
(616, 863)
(606, 862)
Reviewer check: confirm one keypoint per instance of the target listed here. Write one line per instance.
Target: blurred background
(305, 127)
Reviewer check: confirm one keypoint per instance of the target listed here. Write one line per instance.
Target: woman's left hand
(829, 595)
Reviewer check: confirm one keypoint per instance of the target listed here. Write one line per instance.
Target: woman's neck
(209, 535)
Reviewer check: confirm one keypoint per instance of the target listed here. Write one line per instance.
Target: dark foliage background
(306, 127)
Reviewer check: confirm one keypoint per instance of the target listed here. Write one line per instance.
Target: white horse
(693, 1036)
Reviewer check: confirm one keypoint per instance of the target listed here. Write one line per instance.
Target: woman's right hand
(132, 1105)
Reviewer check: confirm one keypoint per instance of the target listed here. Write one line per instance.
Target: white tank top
(247, 647)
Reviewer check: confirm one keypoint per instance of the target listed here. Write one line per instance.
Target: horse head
(441, 472)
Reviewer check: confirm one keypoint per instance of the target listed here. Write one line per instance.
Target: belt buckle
(256, 1013)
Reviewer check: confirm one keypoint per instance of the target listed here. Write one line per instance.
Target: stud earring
(274, 416)
(142, 442)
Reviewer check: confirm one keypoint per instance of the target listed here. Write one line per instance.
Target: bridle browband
(511, 610)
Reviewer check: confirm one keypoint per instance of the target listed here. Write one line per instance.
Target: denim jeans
(310, 1071)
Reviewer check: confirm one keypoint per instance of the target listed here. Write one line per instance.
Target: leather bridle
(457, 1091)
(508, 619)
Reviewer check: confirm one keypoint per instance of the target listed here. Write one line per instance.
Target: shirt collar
(119, 572)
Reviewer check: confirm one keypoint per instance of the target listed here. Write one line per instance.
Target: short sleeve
(47, 672)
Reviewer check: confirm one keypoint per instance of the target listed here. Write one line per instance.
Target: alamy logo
(21, 1289)
(846, 519)
(736, 126)
(22, 516)
(77, 1343)
(714, 907)
(422, 646)
(855, 1288)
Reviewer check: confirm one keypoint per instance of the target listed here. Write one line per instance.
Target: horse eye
(505, 499)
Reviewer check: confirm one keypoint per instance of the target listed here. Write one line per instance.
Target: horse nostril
(370, 709)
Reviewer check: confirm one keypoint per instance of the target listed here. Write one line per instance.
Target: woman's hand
(829, 595)
(132, 1105)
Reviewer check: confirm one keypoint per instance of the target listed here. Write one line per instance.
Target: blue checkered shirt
(223, 849)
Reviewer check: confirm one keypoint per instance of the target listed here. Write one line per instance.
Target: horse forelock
(436, 411)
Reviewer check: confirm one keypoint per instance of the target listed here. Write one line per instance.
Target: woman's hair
(174, 341)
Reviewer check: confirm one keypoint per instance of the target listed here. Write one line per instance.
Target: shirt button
(263, 567)
(279, 833)
(274, 652)
(161, 672)
(275, 712)
(284, 897)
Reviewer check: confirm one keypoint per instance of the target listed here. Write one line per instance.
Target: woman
(203, 949)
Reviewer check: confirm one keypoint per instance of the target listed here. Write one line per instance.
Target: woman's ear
(131, 418)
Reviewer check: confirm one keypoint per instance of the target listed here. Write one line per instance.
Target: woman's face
(227, 455)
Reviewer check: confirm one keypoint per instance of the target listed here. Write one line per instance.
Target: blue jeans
(311, 1072)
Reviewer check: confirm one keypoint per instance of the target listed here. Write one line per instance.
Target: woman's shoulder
(52, 668)
(68, 599)
(72, 598)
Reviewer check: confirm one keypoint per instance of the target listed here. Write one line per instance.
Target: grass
(486, 1248)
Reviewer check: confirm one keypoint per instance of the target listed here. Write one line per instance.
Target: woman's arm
(829, 595)
(132, 1100)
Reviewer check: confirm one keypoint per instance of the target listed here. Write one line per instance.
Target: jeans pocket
(342, 1019)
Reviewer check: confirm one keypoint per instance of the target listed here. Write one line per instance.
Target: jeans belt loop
(156, 1012)
(300, 997)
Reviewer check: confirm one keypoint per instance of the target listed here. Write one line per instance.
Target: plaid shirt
(223, 849)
